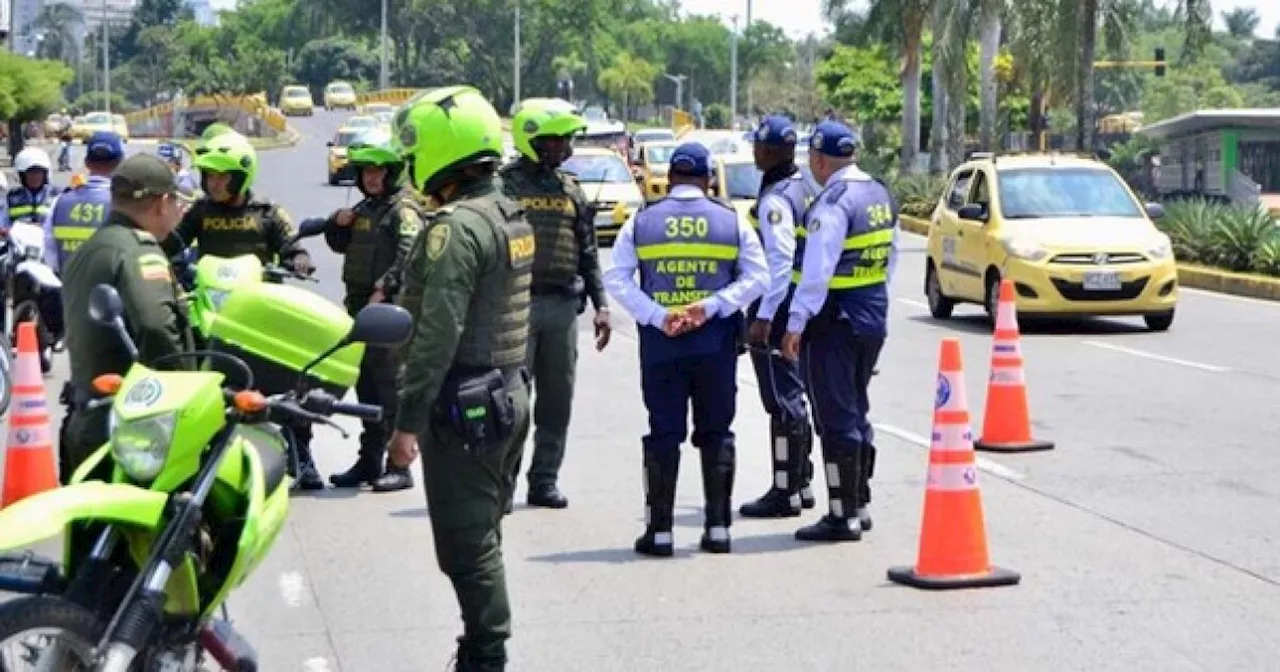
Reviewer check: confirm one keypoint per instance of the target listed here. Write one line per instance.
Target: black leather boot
(806, 467)
(783, 500)
(368, 466)
(718, 463)
(393, 479)
(661, 470)
(864, 493)
(843, 477)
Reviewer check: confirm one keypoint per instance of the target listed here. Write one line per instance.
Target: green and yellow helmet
(214, 130)
(539, 119)
(229, 153)
(447, 129)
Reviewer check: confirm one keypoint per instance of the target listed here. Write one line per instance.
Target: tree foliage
(30, 88)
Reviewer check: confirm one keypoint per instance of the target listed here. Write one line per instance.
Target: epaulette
(835, 192)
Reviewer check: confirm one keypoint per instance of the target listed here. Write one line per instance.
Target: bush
(917, 195)
(1221, 235)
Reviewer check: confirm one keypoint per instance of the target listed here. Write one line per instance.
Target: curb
(1195, 276)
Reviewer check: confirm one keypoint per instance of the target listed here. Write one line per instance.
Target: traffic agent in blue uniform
(31, 199)
(837, 321)
(699, 266)
(784, 196)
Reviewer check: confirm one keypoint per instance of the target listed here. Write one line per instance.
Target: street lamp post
(733, 79)
(384, 76)
(679, 80)
(744, 30)
(515, 87)
(106, 59)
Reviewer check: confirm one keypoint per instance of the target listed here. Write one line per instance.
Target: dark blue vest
(688, 251)
(27, 206)
(859, 285)
(78, 214)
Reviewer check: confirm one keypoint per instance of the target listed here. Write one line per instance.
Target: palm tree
(904, 22)
(61, 25)
(630, 80)
(989, 28)
(950, 27)
(1242, 22)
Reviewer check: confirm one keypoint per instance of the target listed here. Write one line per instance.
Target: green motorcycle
(174, 513)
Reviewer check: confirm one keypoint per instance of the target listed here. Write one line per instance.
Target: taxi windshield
(340, 88)
(344, 138)
(97, 118)
(296, 92)
(362, 122)
(659, 154)
(1040, 193)
(742, 180)
(597, 168)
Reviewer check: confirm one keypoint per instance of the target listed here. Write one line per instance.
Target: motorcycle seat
(275, 465)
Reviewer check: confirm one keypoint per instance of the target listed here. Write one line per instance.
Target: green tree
(29, 90)
(1242, 22)
(323, 61)
(629, 81)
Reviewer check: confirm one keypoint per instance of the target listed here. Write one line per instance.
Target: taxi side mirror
(973, 211)
(1155, 211)
(328, 144)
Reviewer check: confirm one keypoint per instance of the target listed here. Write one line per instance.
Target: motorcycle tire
(6, 379)
(29, 311)
(79, 628)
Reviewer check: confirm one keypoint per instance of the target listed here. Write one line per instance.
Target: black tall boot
(368, 466)
(864, 490)
(844, 467)
(806, 466)
(661, 468)
(306, 477)
(783, 497)
(718, 461)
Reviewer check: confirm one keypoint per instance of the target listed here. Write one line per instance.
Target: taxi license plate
(1101, 281)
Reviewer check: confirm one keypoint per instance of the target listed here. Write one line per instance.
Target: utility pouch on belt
(482, 411)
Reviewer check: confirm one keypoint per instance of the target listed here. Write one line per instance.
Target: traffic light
(1159, 61)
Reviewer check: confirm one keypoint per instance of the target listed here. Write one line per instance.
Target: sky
(801, 17)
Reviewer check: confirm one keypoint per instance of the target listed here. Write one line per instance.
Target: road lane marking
(912, 302)
(316, 664)
(293, 588)
(1159, 358)
(989, 466)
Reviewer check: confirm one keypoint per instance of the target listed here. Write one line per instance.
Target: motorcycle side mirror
(106, 308)
(381, 325)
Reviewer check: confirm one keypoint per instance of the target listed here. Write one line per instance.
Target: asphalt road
(1147, 539)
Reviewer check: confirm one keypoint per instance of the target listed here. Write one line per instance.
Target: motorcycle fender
(46, 515)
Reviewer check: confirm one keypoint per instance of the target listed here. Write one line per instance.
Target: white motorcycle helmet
(32, 157)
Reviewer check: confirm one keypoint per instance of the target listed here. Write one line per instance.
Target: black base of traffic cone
(992, 578)
(1028, 447)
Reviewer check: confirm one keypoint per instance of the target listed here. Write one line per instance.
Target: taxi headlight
(1161, 249)
(141, 445)
(1024, 249)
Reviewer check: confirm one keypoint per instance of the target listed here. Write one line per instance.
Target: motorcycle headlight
(1161, 249)
(218, 297)
(1024, 249)
(141, 445)
(33, 252)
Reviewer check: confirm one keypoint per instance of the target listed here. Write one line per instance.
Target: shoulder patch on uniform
(835, 192)
(143, 236)
(437, 240)
(775, 216)
(410, 222)
(154, 267)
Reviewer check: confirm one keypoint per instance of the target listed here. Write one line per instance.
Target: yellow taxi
(361, 122)
(737, 182)
(1066, 230)
(120, 126)
(339, 95)
(92, 123)
(606, 180)
(296, 100)
(339, 169)
(373, 109)
(653, 159)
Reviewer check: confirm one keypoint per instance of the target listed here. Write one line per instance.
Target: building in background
(203, 12)
(116, 12)
(24, 12)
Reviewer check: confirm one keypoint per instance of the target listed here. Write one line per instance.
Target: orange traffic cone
(30, 468)
(953, 535)
(1006, 425)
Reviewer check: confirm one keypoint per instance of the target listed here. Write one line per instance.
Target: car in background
(296, 100)
(339, 163)
(121, 126)
(644, 135)
(737, 182)
(55, 124)
(607, 135)
(339, 96)
(653, 161)
(595, 114)
(719, 142)
(375, 108)
(1068, 232)
(606, 180)
(92, 123)
(384, 119)
(360, 121)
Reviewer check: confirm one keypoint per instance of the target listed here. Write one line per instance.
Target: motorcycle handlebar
(362, 411)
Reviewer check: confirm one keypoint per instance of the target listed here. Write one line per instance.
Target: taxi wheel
(1159, 321)
(333, 179)
(991, 297)
(939, 305)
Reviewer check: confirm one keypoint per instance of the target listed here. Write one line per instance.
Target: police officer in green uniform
(565, 265)
(464, 394)
(124, 253)
(374, 238)
(229, 222)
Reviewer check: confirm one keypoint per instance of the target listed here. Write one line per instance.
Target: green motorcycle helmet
(214, 130)
(535, 121)
(376, 148)
(448, 129)
(229, 153)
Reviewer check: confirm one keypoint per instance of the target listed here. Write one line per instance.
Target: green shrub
(1225, 236)
(917, 194)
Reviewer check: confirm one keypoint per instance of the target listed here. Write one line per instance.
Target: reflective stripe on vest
(78, 233)
(864, 259)
(21, 211)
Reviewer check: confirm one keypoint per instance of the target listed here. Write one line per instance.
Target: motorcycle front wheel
(48, 634)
